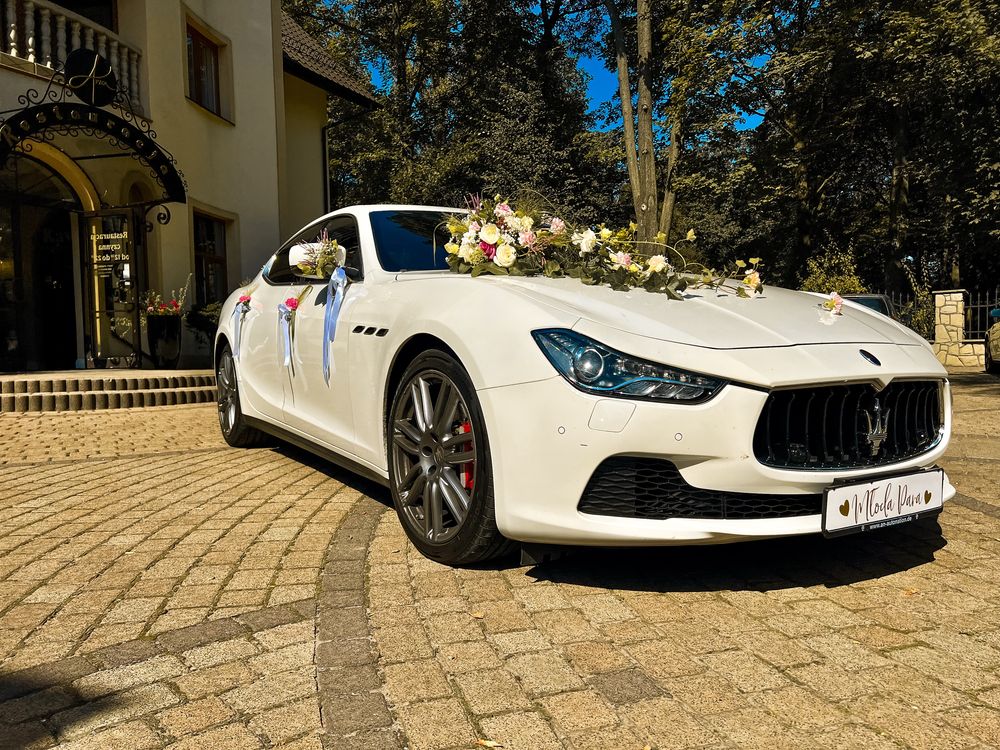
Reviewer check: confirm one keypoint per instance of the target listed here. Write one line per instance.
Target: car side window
(344, 229)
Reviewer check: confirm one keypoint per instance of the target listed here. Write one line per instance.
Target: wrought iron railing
(977, 313)
(44, 33)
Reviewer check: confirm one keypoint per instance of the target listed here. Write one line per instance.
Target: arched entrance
(39, 278)
(78, 182)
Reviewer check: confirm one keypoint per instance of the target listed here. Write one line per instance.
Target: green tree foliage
(878, 122)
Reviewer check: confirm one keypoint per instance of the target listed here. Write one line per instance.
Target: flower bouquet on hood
(494, 237)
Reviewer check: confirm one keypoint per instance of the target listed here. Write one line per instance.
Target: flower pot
(164, 334)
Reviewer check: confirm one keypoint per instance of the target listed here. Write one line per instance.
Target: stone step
(94, 399)
(72, 383)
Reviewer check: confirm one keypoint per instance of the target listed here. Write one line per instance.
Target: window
(203, 71)
(210, 277)
(410, 240)
(343, 229)
(103, 12)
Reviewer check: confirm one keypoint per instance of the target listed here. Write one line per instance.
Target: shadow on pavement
(976, 383)
(347, 477)
(29, 699)
(754, 566)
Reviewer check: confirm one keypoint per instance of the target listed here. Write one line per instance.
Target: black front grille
(652, 488)
(841, 426)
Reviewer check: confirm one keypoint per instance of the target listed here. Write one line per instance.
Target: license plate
(880, 503)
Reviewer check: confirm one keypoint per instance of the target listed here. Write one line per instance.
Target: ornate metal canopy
(102, 111)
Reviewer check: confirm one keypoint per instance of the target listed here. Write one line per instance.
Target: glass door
(112, 336)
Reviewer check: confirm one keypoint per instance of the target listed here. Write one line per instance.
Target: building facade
(146, 142)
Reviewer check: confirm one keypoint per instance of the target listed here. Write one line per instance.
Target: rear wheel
(991, 364)
(235, 430)
(440, 471)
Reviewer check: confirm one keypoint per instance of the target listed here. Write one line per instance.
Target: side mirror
(995, 313)
(354, 274)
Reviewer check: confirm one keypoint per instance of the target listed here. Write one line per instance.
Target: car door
(314, 406)
(263, 377)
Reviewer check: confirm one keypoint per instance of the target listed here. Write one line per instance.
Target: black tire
(235, 429)
(991, 364)
(426, 473)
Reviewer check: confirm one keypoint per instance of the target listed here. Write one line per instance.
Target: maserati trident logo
(878, 430)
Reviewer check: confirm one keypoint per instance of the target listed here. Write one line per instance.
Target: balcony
(43, 33)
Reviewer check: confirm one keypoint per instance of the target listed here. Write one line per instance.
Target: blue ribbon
(285, 320)
(334, 300)
(238, 313)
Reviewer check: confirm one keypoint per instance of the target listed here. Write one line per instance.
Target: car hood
(709, 319)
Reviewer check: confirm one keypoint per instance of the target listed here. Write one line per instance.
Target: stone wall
(950, 344)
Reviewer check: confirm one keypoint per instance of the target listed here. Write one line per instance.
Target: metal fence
(977, 313)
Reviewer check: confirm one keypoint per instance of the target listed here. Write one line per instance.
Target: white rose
(505, 256)
(490, 234)
(657, 263)
(466, 250)
(585, 241)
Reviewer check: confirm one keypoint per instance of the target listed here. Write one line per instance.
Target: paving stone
(415, 681)
(626, 686)
(435, 725)
(521, 731)
(195, 716)
(491, 692)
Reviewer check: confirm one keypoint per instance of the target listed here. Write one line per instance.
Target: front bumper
(547, 438)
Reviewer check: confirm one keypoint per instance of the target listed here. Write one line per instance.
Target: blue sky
(602, 87)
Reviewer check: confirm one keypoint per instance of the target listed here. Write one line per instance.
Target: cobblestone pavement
(158, 588)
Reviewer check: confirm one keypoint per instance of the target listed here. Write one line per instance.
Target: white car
(504, 409)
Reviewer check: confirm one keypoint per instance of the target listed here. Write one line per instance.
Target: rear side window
(410, 240)
(344, 229)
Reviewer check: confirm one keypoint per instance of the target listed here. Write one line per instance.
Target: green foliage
(833, 271)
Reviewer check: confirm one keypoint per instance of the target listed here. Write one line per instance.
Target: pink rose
(292, 303)
(557, 225)
(244, 298)
(503, 209)
(475, 226)
(527, 238)
(488, 250)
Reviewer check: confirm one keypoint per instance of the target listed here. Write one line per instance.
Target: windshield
(875, 303)
(405, 240)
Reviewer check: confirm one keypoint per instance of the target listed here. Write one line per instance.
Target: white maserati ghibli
(502, 409)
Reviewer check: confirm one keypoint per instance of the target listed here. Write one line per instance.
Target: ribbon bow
(334, 300)
(285, 320)
(238, 314)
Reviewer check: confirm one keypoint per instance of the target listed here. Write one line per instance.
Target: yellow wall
(305, 116)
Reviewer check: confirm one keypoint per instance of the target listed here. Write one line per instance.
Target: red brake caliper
(466, 472)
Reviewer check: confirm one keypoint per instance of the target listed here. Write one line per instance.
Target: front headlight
(598, 369)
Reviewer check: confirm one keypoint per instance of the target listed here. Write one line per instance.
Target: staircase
(86, 390)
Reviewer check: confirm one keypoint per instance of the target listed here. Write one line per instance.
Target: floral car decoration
(323, 257)
(493, 237)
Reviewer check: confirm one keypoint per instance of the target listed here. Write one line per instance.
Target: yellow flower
(755, 261)
(661, 238)
(452, 248)
(606, 233)
(691, 236)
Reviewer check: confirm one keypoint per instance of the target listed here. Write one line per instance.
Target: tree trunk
(899, 195)
(625, 94)
(805, 212)
(669, 194)
(647, 215)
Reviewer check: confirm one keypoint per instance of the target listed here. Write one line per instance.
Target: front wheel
(440, 471)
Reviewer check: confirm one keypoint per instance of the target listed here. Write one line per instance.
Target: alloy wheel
(225, 383)
(435, 453)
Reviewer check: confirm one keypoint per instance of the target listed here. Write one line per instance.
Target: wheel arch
(221, 342)
(406, 353)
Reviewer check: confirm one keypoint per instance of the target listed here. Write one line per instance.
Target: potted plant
(162, 319)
